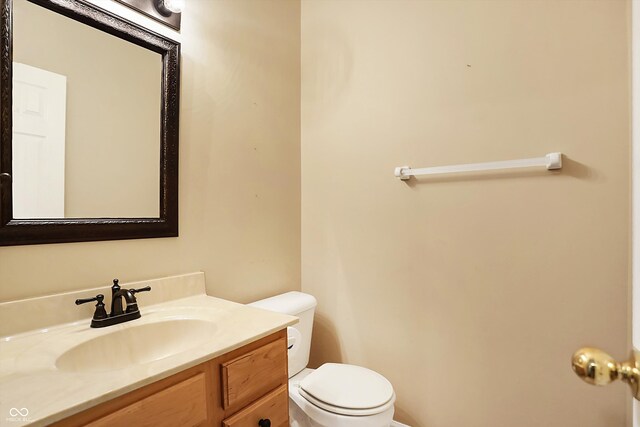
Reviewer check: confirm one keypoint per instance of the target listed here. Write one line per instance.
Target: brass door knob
(596, 367)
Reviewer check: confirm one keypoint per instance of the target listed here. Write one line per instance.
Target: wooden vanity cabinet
(237, 389)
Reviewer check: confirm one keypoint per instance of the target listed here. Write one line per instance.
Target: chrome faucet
(117, 315)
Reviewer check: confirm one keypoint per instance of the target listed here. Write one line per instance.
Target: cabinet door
(183, 404)
(253, 374)
(273, 407)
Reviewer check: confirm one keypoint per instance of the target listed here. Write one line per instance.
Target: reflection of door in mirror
(111, 120)
(39, 107)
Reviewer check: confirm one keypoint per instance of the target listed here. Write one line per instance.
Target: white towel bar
(551, 161)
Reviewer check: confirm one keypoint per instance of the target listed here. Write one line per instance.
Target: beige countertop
(35, 389)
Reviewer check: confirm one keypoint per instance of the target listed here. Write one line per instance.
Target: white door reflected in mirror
(39, 108)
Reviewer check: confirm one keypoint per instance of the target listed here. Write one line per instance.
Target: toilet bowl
(306, 411)
(335, 394)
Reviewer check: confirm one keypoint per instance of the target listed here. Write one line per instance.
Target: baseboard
(397, 424)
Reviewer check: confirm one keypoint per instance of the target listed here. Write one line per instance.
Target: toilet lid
(347, 389)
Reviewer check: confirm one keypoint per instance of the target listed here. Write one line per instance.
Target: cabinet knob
(264, 423)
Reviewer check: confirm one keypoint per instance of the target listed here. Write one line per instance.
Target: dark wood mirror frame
(37, 231)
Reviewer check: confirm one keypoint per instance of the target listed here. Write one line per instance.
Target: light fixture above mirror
(169, 6)
(168, 12)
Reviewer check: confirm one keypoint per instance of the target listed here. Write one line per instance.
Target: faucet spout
(116, 302)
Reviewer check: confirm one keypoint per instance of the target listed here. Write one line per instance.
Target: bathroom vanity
(240, 388)
(191, 359)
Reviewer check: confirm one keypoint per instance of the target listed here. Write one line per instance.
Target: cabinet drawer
(247, 377)
(274, 406)
(183, 404)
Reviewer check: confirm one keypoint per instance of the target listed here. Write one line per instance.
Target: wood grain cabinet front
(272, 408)
(243, 388)
(184, 403)
(253, 374)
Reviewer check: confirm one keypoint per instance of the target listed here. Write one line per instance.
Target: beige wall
(470, 293)
(239, 168)
(112, 149)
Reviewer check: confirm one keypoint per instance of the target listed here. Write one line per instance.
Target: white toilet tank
(302, 306)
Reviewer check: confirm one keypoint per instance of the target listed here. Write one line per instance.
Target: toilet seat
(347, 390)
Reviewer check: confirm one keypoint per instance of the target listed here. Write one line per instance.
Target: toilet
(335, 394)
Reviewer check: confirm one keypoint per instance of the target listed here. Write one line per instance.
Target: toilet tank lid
(291, 303)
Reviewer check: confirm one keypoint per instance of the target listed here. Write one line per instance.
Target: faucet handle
(100, 312)
(98, 298)
(145, 289)
(132, 306)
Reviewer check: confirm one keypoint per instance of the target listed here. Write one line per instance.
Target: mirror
(86, 120)
(90, 135)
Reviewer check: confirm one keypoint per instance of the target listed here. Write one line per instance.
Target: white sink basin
(136, 344)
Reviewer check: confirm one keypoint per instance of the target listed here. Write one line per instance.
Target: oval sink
(135, 345)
